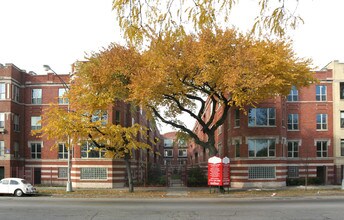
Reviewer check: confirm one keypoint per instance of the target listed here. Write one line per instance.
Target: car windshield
(25, 182)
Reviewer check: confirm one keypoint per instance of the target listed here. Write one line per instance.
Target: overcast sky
(59, 32)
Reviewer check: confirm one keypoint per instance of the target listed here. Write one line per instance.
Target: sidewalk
(194, 192)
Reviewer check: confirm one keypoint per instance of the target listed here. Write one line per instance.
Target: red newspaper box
(218, 171)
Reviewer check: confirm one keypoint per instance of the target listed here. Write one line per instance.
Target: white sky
(59, 32)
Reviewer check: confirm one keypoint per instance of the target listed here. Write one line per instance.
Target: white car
(16, 186)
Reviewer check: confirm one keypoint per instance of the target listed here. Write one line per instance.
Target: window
(117, 117)
(322, 148)
(293, 149)
(89, 150)
(2, 120)
(93, 173)
(14, 182)
(341, 90)
(293, 95)
(15, 94)
(168, 153)
(168, 142)
(63, 151)
(36, 96)
(16, 122)
(261, 117)
(293, 171)
(342, 147)
(261, 147)
(2, 91)
(320, 93)
(62, 98)
(219, 130)
(321, 121)
(182, 153)
(36, 122)
(342, 119)
(16, 150)
(36, 150)
(237, 118)
(2, 148)
(237, 148)
(62, 172)
(219, 149)
(261, 172)
(100, 115)
(293, 122)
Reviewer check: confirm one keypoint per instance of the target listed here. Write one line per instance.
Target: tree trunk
(129, 175)
(210, 144)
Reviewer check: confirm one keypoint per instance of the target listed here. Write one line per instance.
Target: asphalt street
(171, 208)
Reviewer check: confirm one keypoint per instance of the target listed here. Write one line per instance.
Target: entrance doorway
(37, 176)
(321, 174)
(2, 172)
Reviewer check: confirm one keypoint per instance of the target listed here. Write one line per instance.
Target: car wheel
(18, 193)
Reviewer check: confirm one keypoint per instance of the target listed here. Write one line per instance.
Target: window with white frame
(36, 96)
(16, 122)
(322, 148)
(182, 153)
(293, 148)
(260, 117)
(2, 148)
(321, 121)
(63, 151)
(89, 150)
(2, 91)
(36, 122)
(2, 120)
(93, 173)
(62, 173)
(168, 142)
(293, 96)
(62, 96)
(341, 119)
(293, 171)
(237, 118)
(293, 122)
(168, 153)
(320, 93)
(36, 150)
(15, 94)
(261, 147)
(264, 172)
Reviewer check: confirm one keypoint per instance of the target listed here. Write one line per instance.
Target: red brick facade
(46, 167)
(293, 146)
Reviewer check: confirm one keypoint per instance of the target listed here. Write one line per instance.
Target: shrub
(197, 177)
(156, 176)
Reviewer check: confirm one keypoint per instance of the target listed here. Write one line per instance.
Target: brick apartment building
(280, 138)
(23, 97)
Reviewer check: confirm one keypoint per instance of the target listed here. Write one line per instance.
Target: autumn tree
(86, 119)
(142, 19)
(178, 73)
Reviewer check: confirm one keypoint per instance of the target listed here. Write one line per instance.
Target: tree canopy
(179, 72)
(139, 19)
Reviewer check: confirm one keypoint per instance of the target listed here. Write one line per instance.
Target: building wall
(49, 169)
(277, 169)
(338, 106)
